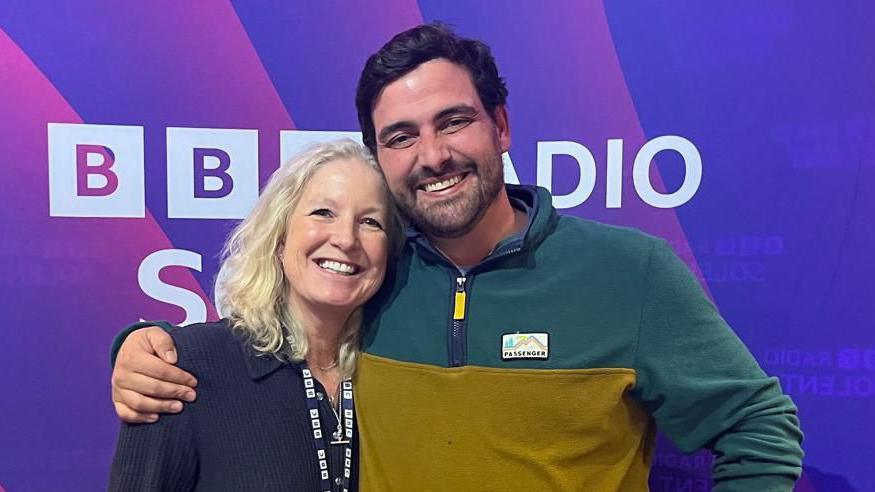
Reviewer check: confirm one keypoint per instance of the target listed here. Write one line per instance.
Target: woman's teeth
(337, 267)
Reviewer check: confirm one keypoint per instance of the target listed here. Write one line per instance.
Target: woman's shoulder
(209, 332)
(211, 340)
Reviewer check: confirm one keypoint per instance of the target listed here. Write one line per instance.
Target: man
(515, 349)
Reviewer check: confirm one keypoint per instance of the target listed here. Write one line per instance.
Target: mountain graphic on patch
(525, 346)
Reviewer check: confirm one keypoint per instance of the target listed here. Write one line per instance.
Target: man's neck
(500, 221)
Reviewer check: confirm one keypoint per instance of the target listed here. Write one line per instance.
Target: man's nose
(433, 151)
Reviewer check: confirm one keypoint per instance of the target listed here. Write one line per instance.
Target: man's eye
(371, 222)
(400, 141)
(456, 124)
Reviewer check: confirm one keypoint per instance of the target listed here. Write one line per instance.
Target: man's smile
(442, 185)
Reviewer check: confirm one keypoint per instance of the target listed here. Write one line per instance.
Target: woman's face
(335, 249)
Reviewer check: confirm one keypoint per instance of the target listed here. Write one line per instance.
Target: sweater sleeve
(155, 457)
(705, 389)
(121, 336)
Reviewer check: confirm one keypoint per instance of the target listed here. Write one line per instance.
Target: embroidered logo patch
(525, 346)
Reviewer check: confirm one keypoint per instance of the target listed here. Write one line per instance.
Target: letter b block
(95, 170)
(211, 173)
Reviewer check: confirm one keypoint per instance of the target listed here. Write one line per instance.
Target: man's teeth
(442, 185)
(337, 267)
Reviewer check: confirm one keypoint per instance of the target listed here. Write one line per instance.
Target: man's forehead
(424, 92)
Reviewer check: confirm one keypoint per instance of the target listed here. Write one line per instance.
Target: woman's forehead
(346, 180)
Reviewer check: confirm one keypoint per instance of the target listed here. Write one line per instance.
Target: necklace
(329, 366)
(332, 399)
(337, 407)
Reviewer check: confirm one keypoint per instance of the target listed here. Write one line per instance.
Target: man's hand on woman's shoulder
(145, 380)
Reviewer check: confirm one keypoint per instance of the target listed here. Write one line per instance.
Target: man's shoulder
(598, 237)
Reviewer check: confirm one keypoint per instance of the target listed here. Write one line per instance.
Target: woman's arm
(160, 456)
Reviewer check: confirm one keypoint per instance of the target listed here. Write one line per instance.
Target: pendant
(338, 437)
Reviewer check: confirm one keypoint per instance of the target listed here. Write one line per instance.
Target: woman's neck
(323, 329)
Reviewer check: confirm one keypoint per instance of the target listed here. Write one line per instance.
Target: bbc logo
(98, 170)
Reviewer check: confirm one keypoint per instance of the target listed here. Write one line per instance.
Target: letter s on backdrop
(152, 286)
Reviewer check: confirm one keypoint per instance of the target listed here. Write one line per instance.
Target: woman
(275, 401)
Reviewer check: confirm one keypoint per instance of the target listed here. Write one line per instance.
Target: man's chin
(450, 218)
(448, 226)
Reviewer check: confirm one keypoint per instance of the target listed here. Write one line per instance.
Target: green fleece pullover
(549, 365)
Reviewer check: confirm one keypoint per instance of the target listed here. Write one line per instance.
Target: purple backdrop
(776, 97)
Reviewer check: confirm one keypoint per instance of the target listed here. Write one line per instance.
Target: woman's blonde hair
(251, 285)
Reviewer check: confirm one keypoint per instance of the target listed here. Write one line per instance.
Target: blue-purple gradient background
(777, 96)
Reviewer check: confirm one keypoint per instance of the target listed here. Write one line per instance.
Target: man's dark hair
(410, 49)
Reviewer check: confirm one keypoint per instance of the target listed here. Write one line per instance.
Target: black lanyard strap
(341, 437)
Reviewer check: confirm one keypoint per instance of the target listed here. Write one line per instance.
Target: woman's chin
(338, 302)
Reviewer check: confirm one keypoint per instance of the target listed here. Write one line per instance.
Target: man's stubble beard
(457, 216)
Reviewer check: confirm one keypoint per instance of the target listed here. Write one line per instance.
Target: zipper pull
(459, 303)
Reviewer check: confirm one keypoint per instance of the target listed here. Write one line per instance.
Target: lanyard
(341, 437)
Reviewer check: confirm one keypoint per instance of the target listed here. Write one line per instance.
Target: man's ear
(502, 126)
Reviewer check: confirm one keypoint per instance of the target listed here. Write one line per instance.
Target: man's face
(439, 148)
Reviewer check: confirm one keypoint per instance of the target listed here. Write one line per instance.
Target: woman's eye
(322, 212)
(371, 222)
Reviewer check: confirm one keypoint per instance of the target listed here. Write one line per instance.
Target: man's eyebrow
(459, 109)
